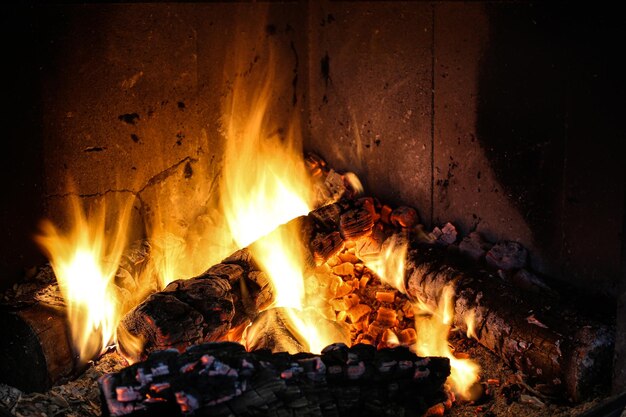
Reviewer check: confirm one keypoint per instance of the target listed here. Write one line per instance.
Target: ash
(77, 398)
(504, 392)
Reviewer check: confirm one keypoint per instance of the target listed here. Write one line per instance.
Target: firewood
(358, 312)
(558, 348)
(222, 379)
(228, 295)
(357, 222)
(404, 217)
(386, 316)
(36, 350)
(408, 337)
(325, 245)
(566, 355)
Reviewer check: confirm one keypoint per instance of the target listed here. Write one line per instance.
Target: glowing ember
(85, 259)
(433, 327)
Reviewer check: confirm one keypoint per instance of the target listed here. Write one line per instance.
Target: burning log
(188, 312)
(229, 295)
(36, 350)
(557, 348)
(222, 379)
(560, 351)
(39, 352)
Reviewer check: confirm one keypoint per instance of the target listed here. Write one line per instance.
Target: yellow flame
(85, 259)
(389, 263)
(280, 255)
(264, 180)
(470, 322)
(264, 183)
(432, 327)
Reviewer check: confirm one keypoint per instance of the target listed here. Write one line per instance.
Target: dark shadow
(548, 109)
(21, 155)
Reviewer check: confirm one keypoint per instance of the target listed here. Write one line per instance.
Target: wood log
(222, 379)
(231, 294)
(36, 350)
(557, 348)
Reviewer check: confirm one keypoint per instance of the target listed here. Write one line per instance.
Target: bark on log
(230, 294)
(222, 379)
(555, 346)
(558, 348)
(201, 309)
(35, 350)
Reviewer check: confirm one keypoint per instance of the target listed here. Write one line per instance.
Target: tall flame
(433, 327)
(264, 183)
(85, 259)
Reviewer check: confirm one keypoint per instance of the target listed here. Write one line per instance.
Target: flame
(186, 228)
(389, 263)
(85, 259)
(264, 183)
(264, 180)
(432, 327)
(470, 322)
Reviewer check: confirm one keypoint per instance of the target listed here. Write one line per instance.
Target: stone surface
(474, 246)
(501, 118)
(370, 95)
(507, 256)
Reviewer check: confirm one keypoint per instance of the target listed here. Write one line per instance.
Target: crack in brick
(161, 176)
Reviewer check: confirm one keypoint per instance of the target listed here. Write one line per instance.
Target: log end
(590, 364)
(38, 352)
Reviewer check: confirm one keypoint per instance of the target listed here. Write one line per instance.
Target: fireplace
(500, 118)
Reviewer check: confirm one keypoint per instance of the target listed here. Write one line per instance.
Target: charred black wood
(555, 346)
(222, 379)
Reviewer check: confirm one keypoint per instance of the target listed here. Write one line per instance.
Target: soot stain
(129, 118)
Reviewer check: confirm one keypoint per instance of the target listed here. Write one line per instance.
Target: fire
(433, 327)
(470, 322)
(264, 183)
(432, 324)
(85, 259)
(389, 262)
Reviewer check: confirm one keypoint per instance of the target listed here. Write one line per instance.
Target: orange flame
(470, 322)
(389, 262)
(433, 327)
(264, 183)
(85, 259)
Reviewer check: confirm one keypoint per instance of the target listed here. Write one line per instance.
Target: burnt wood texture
(222, 379)
(561, 351)
(554, 345)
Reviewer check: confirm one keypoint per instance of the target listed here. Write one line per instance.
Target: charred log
(557, 348)
(229, 295)
(222, 379)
